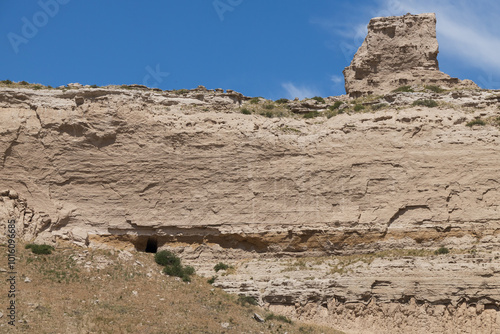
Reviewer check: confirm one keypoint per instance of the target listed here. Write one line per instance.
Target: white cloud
(337, 79)
(300, 92)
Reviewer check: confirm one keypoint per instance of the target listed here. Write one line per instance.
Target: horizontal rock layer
(124, 168)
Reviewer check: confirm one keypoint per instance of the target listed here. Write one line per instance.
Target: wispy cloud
(337, 79)
(301, 92)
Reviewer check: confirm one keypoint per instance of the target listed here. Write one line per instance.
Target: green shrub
(247, 300)
(403, 89)
(7, 82)
(336, 105)
(269, 106)
(435, 89)
(181, 91)
(359, 107)
(267, 114)
(255, 100)
(425, 103)
(39, 249)
(476, 122)
(282, 101)
(36, 87)
(281, 318)
(94, 86)
(24, 83)
(177, 270)
(212, 280)
(319, 99)
(166, 257)
(442, 250)
(311, 114)
(221, 266)
(246, 111)
(379, 106)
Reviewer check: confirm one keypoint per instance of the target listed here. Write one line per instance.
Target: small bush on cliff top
(311, 114)
(442, 250)
(435, 89)
(39, 249)
(282, 101)
(403, 89)
(246, 111)
(221, 266)
(425, 103)
(319, 99)
(359, 107)
(476, 122)
(335, 106)
(7, 82)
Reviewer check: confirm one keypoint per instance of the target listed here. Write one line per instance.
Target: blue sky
(274, 49)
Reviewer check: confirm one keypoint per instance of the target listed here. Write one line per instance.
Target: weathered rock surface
(398, 51)
(128, 167)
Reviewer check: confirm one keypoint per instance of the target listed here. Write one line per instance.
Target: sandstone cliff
(398, 51)
(124, 168)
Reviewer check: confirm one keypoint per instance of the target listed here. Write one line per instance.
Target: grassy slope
(66, 297)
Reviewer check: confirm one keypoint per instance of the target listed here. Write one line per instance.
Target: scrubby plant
(181, 91)
(282, 101)
(319, 99)
(36, 87)
(425, 103)
(311, 114)
(212, 280)
(476, 122)
(442, 250)
(94, 86)
(40, 249)
(281, 318)
(336, 105)
(166, 258)
(359, 107)
(24, 83)
(221, 266)
(435, 89)
(247, 300)
(379, 106)
(7, 82)
(403, 89)
(255, 100)
(246, 111)
(267, 114)
(269, 106)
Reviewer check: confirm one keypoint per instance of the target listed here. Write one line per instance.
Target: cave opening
(152, 245)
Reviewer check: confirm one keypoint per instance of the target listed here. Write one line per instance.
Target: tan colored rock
(191, 173)
(398, 51)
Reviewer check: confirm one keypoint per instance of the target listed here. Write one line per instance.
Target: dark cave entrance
(152, 245)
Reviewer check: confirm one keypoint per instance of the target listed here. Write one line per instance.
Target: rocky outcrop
(130, 167)
(398, 51)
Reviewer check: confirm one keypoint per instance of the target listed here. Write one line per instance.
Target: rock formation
(133, 168)
(398, 51)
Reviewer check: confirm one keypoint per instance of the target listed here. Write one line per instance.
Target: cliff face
(370, 196)
(398, 51)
